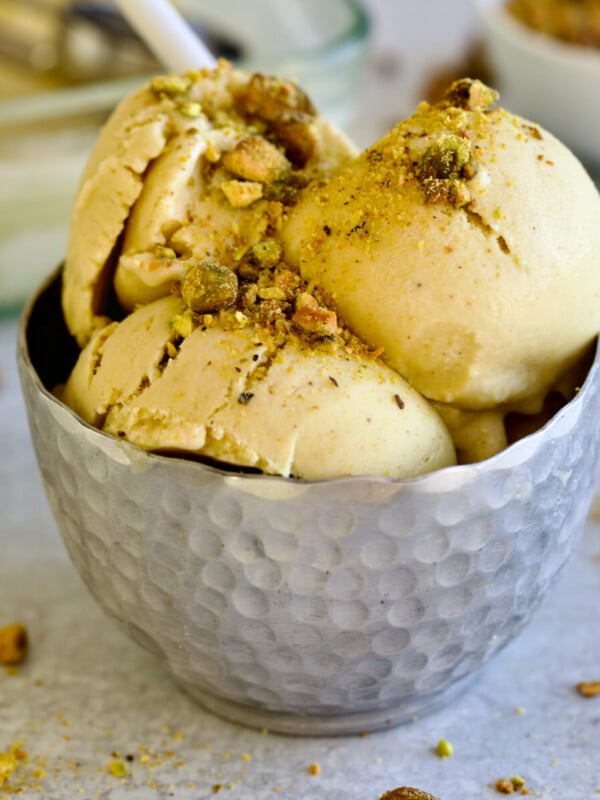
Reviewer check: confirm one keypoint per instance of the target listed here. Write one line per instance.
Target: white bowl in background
(548, 81)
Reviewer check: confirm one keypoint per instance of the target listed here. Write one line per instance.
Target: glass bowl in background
(90, 63)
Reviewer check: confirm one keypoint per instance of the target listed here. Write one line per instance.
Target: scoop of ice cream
(190, 166)
(466, 244)
(239, 392)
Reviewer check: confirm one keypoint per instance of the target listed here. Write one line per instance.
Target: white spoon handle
(167, 34)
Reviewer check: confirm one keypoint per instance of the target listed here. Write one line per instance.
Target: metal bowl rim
(494, 462)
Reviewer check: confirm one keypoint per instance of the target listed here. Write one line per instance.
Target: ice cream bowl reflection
(326, 607)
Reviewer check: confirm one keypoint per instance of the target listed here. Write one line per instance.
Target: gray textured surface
(87, 691)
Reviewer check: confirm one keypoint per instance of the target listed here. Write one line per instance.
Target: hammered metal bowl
(329, 607)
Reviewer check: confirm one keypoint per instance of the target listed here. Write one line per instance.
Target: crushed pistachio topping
(588, 688)
(446, 157)
(183, 324)
(8, 764)
(242, 193)
(264, 254)
(287, 111)
(261, 291)
(275, 99)
(14, 644)
(170, 85)
(443, 143)
(511, 785)
(208, 287)
(190, 109)
(443, 169)
(470, 94)
(118, 769)
(161, 251)
(407, 793)
(256, 159)
(444, 749)
(312, 317)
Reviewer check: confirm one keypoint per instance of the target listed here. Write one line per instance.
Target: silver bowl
(328, 607)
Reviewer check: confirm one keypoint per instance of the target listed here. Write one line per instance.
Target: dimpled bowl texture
(329, 607)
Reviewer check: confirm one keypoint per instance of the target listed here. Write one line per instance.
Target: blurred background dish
(545, 78)
(65, 65)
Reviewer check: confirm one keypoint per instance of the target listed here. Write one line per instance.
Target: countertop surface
(87, 699)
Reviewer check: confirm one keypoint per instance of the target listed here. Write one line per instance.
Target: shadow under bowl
(327, 607)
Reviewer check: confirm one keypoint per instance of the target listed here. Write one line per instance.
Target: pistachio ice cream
(197, 337)
(271, 396)
(247, 288)
(192, 166)
(464, 244)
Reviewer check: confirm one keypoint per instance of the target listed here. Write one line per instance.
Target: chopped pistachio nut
(512, 785)
(190, 109)
(183, 324)
(170, 84)
(314, 319)
(444, 169)
(242, 193)
(274, 99)
(256, 159)
(266, 253)
(407, 793)
(14, 644)
(209, 286)
(444, 749)
(271, 293)
(8, 764)
(472, 95)
(300, 140)
(504, 786)
(262, 255)
(118, 769)
(446, 157)
(588, 688)
(161, 251)
(212, 152)
(459, 194)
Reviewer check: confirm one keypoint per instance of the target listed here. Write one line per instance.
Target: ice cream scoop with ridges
(282, 405)
(466, 244)
(223, 352)
(157, 192)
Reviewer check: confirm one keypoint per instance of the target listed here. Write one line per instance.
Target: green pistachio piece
(446, 157)
(170, 84)
(470, 94)
(407, 793)
(208, 287)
